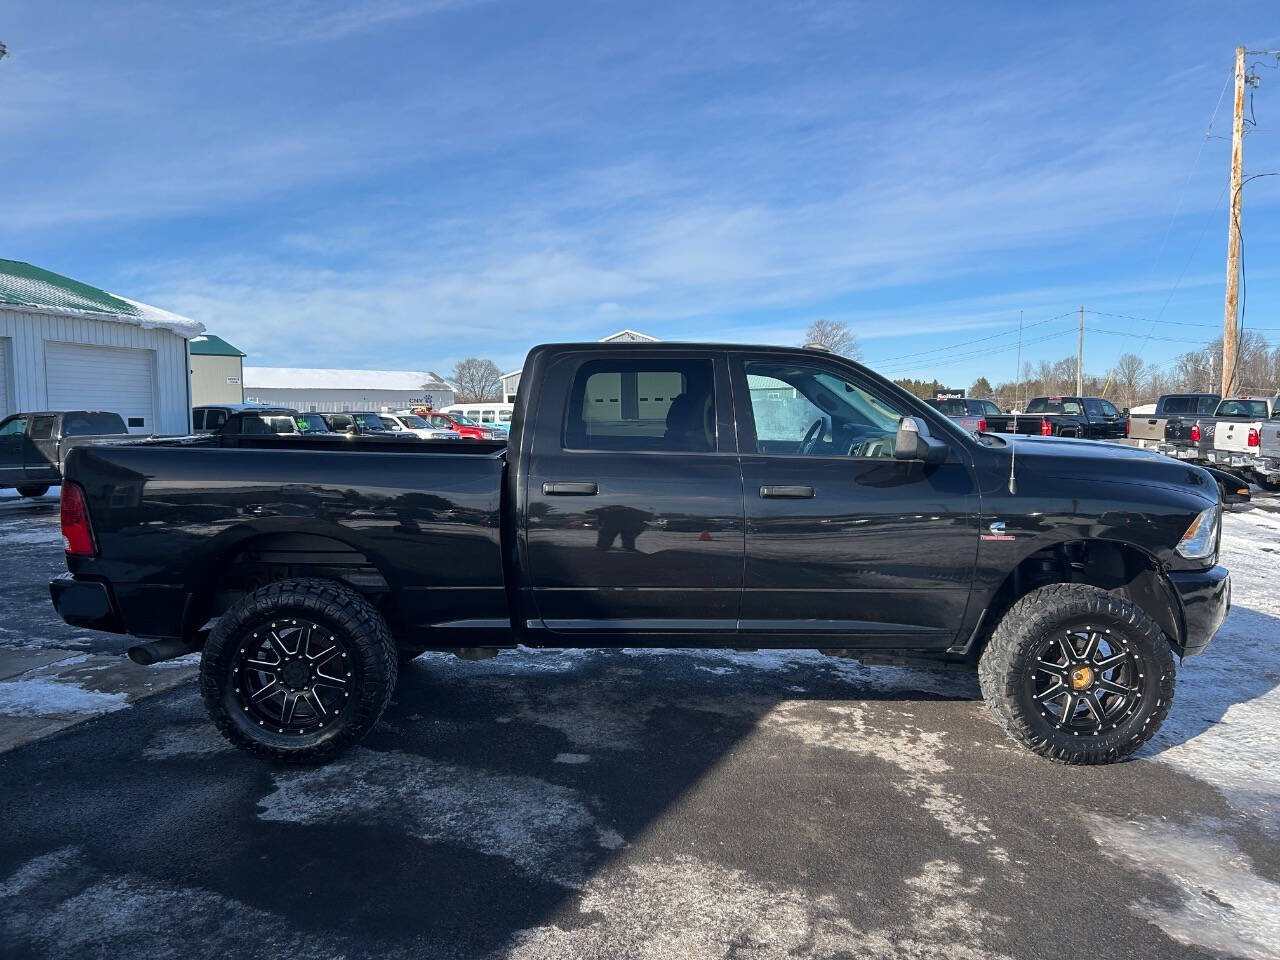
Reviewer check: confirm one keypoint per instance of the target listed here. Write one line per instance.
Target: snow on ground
(44, 696)
(1224, 727)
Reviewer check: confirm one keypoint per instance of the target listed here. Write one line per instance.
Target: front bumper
(1205, 596)
(85, 603)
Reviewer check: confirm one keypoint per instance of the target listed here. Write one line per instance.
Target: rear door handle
(575, 488)
(786, 491)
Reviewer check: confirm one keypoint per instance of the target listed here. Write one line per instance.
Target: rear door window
(642, 405)
(42, 428)
(15, 427)
(213, 419)
(197, 419)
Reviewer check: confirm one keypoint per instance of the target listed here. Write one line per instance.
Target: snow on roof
(37, 290)
(309, 378)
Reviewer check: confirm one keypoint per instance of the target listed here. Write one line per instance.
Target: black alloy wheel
(294, 675)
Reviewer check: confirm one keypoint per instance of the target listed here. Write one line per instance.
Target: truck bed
(422, 525)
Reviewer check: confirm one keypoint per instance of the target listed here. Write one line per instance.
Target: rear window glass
(1243, 408)
(1053, 405)
(88, 424)
(952, 408)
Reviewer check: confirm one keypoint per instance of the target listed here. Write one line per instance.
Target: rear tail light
(77, 532)
(1195, 433)
(982, 425)
(1046, 428)
(1255, 438)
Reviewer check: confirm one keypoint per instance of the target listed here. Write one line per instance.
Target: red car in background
(469, 429)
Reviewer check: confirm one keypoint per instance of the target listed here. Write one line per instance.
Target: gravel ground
(646, 804)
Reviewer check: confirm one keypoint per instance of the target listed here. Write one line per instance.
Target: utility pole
(1017, 391)
(1230, 316)
(1080, 357)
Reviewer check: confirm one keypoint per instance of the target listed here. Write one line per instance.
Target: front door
(847, 546)
(633, 522)
(13, 440)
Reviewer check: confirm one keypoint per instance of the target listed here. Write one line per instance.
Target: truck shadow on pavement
(519, 804)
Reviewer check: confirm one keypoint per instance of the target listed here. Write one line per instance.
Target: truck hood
(1067, 458)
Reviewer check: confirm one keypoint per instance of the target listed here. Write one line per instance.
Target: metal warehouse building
(65, 345)
(321, 391)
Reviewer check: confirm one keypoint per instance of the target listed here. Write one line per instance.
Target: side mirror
(914, 443)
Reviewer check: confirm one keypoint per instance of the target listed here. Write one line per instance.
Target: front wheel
(298, 670)
(1077, 674)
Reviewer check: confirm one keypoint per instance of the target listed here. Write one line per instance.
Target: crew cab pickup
(1084, 418)
(968, 413)
(1266, 466)
(1150, 428)
(657, 495)
(33, 446)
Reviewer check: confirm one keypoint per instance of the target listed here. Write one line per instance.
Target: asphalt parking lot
(636, 804)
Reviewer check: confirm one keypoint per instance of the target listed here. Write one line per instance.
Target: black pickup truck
(1082, 418)
(33, 446)
(658, 495)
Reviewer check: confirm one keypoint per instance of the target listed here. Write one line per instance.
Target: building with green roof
(66, 344)
(217, 371)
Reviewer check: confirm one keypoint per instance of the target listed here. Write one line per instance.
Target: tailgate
(1147, 428)
(1234, 436)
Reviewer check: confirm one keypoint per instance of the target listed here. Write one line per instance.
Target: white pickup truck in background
(1237, 441)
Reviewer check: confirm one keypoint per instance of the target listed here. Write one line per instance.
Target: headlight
(1201, 539)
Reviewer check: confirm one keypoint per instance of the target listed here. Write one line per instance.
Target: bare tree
(1130, 377)
(836, 336)
(477, 381)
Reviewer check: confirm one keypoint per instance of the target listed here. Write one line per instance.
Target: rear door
(41, 454)
(633, 525)
(846, 546)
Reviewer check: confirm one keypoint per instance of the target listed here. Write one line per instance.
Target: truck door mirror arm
(913, 442)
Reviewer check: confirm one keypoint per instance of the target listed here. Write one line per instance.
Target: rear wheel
(1077, 674)
(34, 491)
(298, 670)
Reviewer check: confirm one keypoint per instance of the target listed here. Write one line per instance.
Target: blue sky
(402, 183)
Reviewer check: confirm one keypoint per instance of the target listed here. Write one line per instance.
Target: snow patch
(1225, 905)
(686, 907)
(26, 533)
(545, 829)
(200, 740)
(571, 758)
(45, 697)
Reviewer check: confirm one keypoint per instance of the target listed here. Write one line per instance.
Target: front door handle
(786, 491)
(576, 488)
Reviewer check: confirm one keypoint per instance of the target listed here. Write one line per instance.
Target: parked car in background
(416, 425)
(261, 422)
(969, 413)
(33, 446)
(486, 414)
(1149, 428)
(466, 427)
(362, 423)
(210, 417)
(1238, 440)
(1194, 436)
(1072, 592)
(1082, 418)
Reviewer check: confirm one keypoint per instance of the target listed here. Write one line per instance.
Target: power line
(968, 343)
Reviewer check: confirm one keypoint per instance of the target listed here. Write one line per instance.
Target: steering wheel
(811, 437)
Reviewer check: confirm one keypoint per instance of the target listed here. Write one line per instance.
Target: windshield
(414, 422)
(1242, 408)
(463, 421)
(369, 421)
(1053, 405)
(88, 424)
(311, 423)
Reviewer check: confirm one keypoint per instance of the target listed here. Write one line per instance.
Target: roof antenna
(1013, 446)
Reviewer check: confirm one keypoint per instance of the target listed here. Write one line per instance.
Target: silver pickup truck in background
(1266, 466)
(1148, 429)
(1237, 441)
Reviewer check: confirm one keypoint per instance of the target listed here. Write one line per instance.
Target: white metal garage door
(83, 376)
(6, 376)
